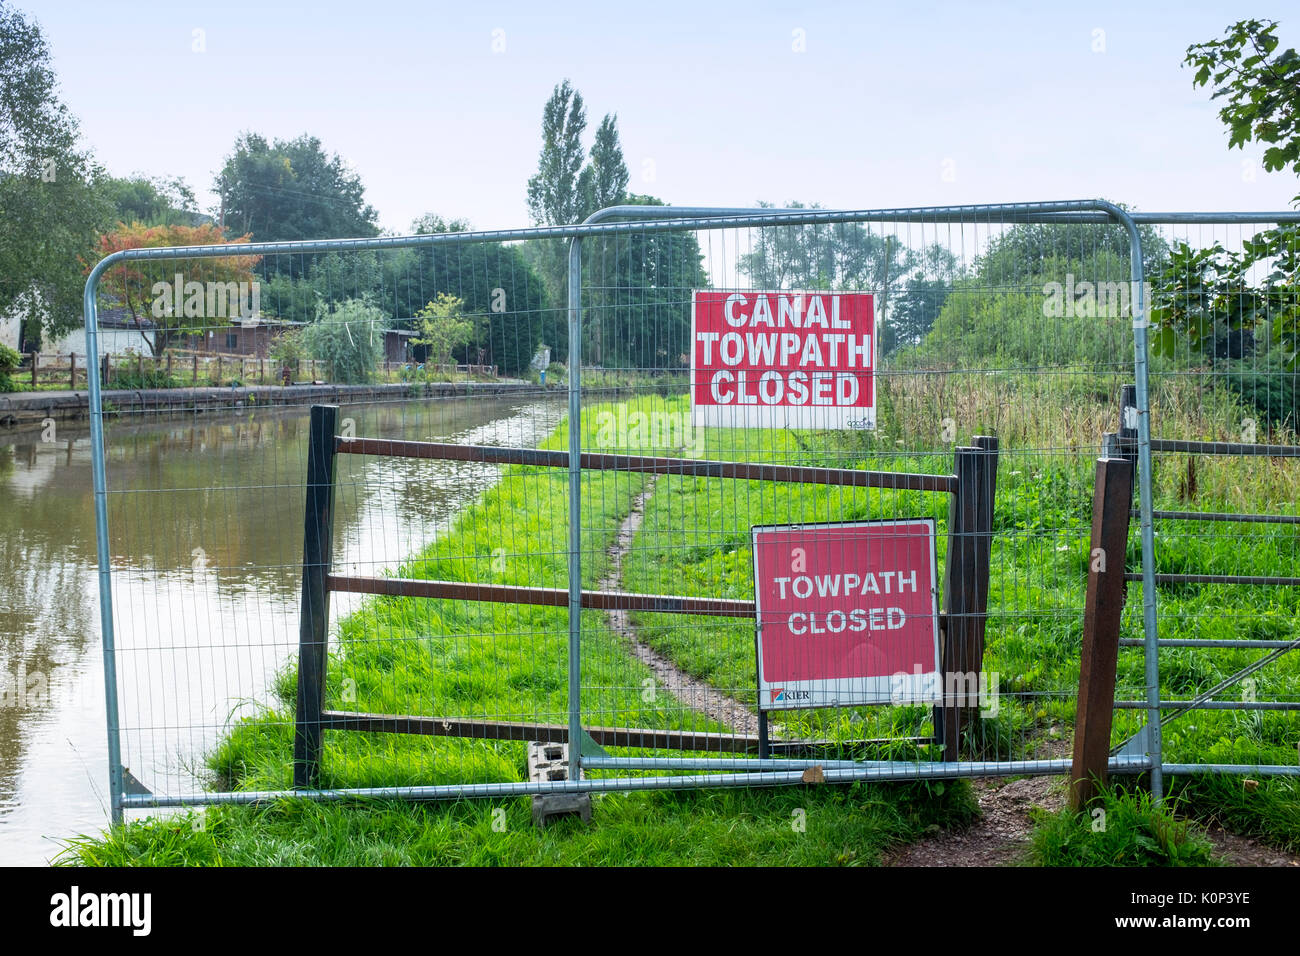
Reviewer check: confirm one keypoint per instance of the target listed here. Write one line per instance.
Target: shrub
(1272, 389)
(288, 349)
(10, 359)
(349, 340)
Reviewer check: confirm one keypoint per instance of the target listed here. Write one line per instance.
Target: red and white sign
(783, 359)
(847, 613)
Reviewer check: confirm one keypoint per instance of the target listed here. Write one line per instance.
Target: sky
(438, 106)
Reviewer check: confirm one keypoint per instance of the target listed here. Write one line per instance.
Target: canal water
(206, 521)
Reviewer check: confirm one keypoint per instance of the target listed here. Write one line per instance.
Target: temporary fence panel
(978, 331)
(1224, 408)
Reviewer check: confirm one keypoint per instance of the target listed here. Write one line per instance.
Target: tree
(557, 192)
(1206, 298)
(153, 201)
(1022, 252)
(210, 289)
(638, 305)
(918, 304)
(499, 288)
(50, 209)
(292, 190)
(1262, 89)
(569, 185)
(349, 340)
(606, 184)
(443, 327)
(840, 256)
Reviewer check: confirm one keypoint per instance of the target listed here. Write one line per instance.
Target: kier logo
(781, 694)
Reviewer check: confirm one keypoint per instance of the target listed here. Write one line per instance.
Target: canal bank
(27, 409)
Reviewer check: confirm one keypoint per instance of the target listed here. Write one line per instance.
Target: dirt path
(1000, 837)
(694, 693)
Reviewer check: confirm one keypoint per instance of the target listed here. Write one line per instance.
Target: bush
(288, 349)
(1272, 389)
(154, 378)
(10, 359)
(349, 340)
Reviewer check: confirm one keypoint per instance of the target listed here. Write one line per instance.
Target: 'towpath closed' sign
(783, 359)
(843, 611)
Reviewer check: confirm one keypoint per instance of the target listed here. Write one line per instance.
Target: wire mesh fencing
(729, 498)
(1223, 419)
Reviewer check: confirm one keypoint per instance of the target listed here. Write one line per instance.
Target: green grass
(1120, 828)
(1268, 810)
(797, 826)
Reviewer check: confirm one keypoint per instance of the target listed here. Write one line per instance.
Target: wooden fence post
(196, 369)
(313, 629)
(36, 360)
(1112, 499)
(966, 589)
(72, 371)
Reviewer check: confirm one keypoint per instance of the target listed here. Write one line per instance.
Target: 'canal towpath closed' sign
(843, 609)
(783, 359)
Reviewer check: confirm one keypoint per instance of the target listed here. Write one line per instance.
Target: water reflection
(206, 541)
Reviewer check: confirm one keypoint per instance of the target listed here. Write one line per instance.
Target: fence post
(104, 372)
(1112, 500)
(966, 588)
(72, 371)
(958, 589)
(314, 622)
(36, 358)
(987, 472)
